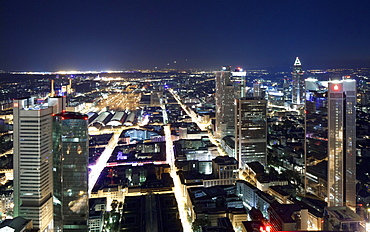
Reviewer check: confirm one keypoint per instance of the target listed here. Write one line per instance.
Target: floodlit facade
(251, 130)
(33, 184)
(70, 136)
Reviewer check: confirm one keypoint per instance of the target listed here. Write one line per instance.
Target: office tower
(316, 138)
(239, 83)
(71, 152)
(257, 90)
(297, 83)
(33, 185)
(229, 86)
(224, 98)
(342, 143)
(251, 130)
(330, 117)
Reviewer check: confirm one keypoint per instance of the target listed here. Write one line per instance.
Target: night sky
(55, 35)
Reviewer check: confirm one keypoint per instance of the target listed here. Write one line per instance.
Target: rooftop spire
(297, 62)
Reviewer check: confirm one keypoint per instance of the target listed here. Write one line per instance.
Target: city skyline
(123, 35)
(209, 115)
(158, 132)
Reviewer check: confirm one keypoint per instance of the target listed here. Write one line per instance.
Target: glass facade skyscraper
(70, 136)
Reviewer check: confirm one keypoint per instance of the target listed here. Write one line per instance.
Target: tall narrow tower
(224, 97)
(342, 143)
(297, 83)
(71, 152)
(52, 90)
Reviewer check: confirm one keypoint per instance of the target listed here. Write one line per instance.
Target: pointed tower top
(297, 62)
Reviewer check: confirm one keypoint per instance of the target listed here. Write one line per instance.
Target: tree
(114, 205)
(120, 205)
(199, 223)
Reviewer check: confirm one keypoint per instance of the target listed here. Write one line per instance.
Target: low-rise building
(111, 193)
(97, 207)
(17, 224)
(283, 217)
(6, 204)
(341, 218)
(228, 144)
(216, 202)
(254, 173)
(253, 197)
(280, 195)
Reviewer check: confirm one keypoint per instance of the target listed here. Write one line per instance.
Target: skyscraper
(250, 130)
(33, 185)
(71, 152)
(297, 83)
(257, 90)
(330, 141)
(224, 97)
(229, 86)
(342, 143)
(316, 138)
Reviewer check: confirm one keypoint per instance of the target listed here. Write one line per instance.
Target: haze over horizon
(124, 35)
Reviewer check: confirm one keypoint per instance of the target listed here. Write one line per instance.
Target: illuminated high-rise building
(33, 182)
(342, 143)
(224, 97)
(71, 152)
(229, 86)
(297, 83)
(330, 169)
(251, 130)
(239, 83)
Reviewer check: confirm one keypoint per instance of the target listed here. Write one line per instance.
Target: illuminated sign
(120, 156)
(15, 104)
(336, 87)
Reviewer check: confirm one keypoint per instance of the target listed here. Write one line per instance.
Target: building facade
(224, 97)
(342, 143)
(71, 153)
(316, 138)
(251, 130)
(330, 143)
(33, 182)
(229, 86)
